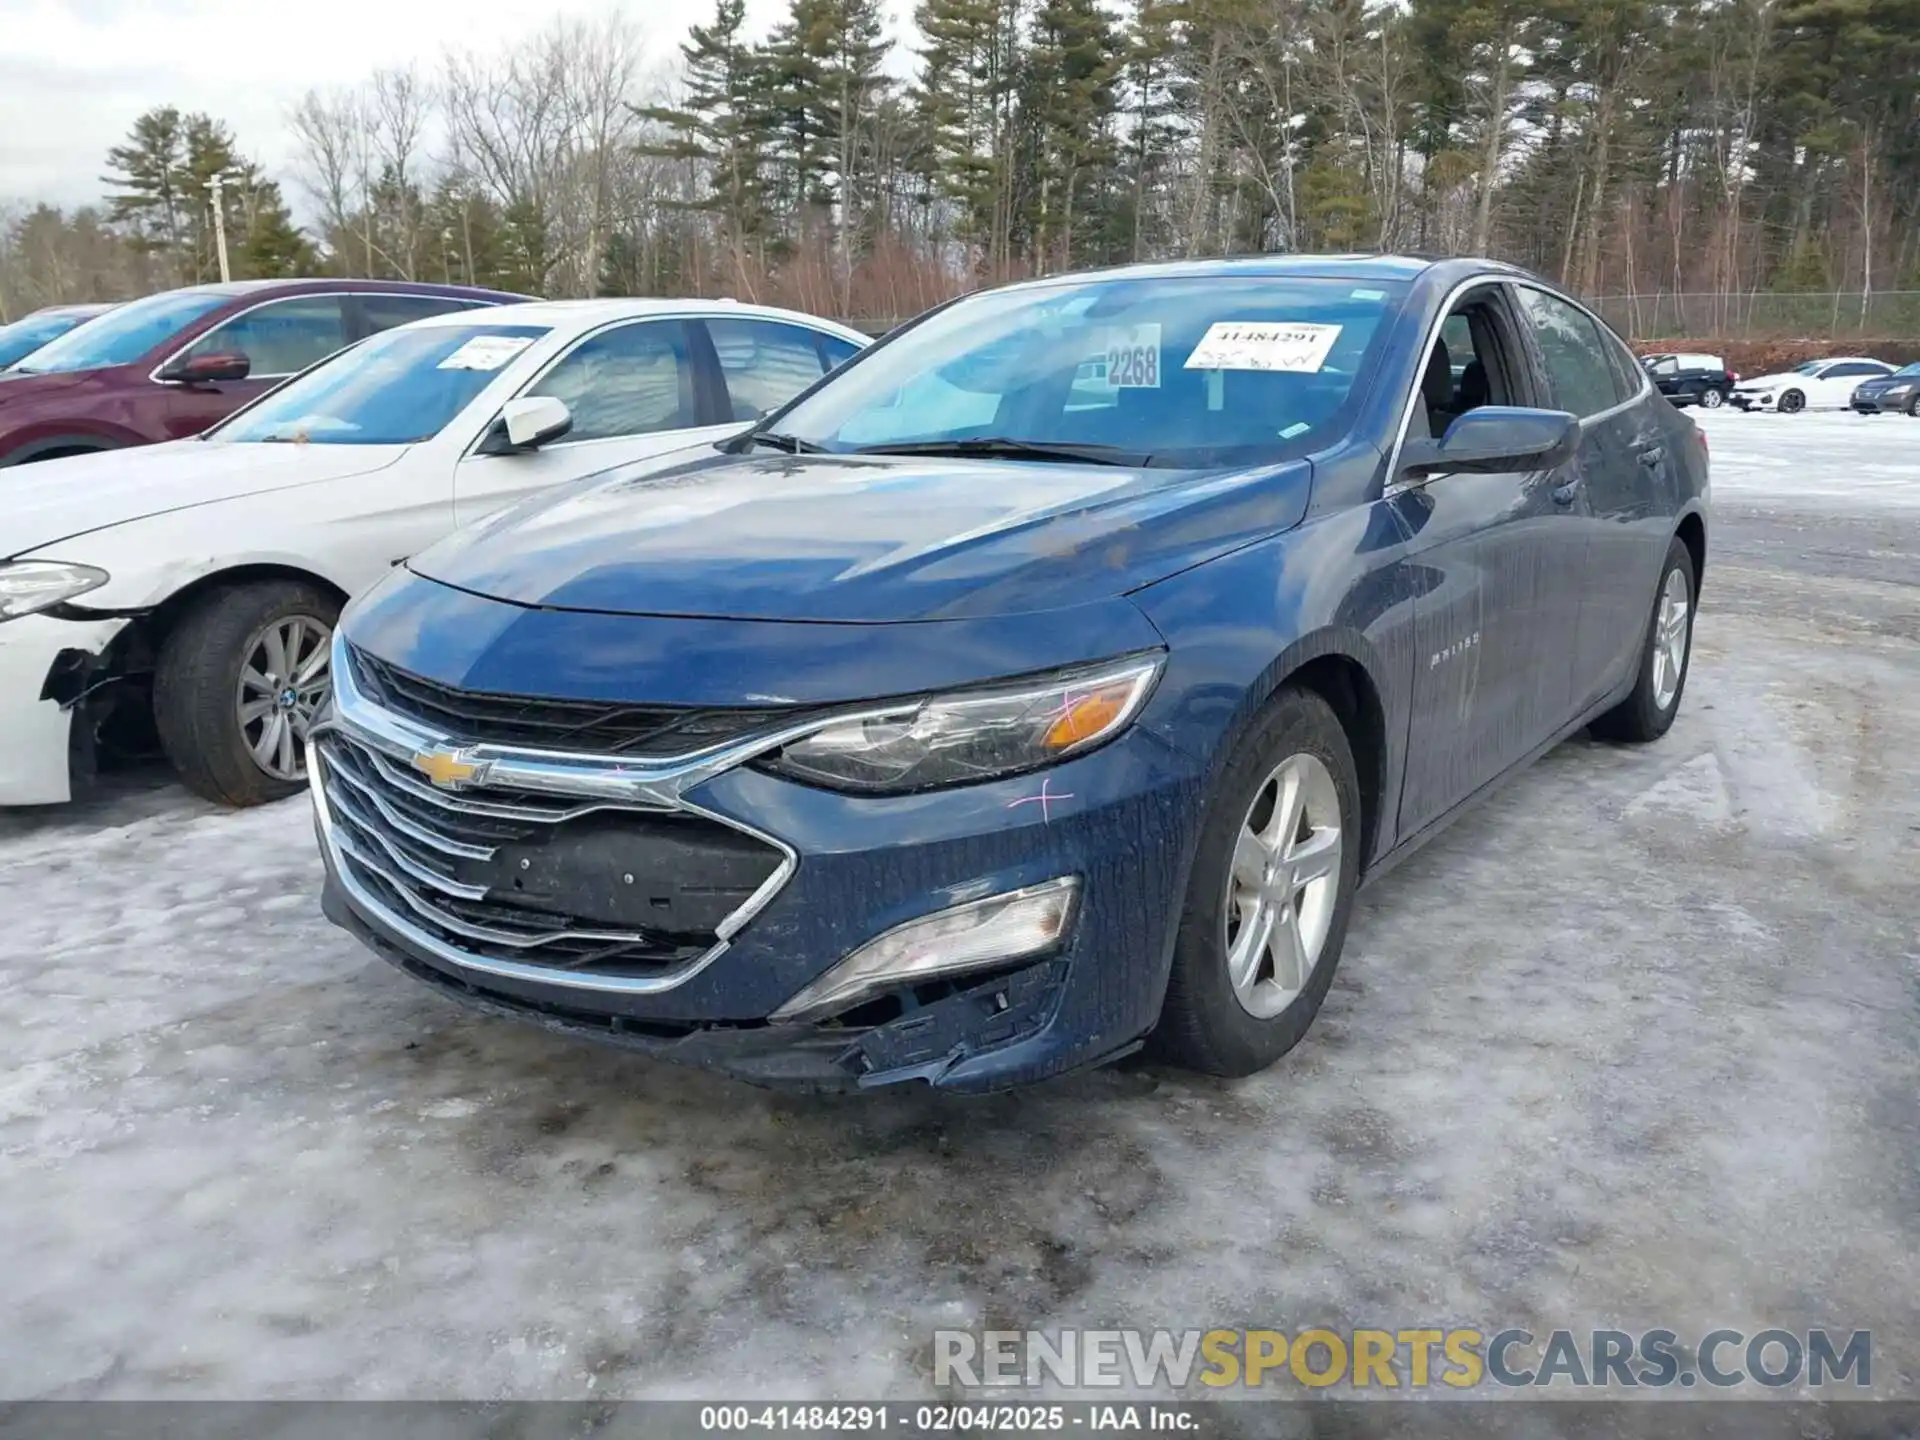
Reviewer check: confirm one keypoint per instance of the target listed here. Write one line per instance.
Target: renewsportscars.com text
(1414, 1358)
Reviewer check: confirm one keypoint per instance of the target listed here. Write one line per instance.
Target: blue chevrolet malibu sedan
(1041, 684)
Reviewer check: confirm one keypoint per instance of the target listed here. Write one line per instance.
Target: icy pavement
(1633, 1045)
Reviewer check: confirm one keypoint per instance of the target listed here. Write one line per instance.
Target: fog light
(974, 936)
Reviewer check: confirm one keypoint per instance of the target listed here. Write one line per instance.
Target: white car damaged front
(181, 598)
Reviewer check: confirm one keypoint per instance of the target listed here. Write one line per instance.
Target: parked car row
(183, 595)
(1037, 682)
(1837, 383)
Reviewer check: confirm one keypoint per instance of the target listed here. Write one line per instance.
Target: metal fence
(1764, 315)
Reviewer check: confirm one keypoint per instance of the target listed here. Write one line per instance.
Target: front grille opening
(584, 726)
(534, 880)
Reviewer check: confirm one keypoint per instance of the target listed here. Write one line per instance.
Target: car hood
(54, 500)
(1768, 382)
(861, 538)
(1874, 384)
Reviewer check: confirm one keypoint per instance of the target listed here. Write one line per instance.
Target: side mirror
(1494, 438)
(207, 369)
(528, 423)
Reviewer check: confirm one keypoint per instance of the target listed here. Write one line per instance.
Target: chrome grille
(536, 880)
(578, 726)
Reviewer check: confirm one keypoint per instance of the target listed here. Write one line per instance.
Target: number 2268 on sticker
(1133, 358)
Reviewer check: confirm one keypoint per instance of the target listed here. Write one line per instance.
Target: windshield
(1812, 367)
(1913, 369)
(123, 335)
(398, 388)
(1181, 372)
(23, 337)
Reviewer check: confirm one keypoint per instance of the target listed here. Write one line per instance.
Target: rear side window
(383, 312)
(765, 363)
(1577, 365)
(281, 337)
(836, 352)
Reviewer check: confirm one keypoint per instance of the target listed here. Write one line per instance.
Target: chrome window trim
(154, 374)
(1393, 485)
(629, 784)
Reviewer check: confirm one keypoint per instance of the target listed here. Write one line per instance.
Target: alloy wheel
(284, 682)
(1712, 399)
(1282, 885)
(1791, 402)
(1672, 630)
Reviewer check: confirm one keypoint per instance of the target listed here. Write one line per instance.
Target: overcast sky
(75, 73)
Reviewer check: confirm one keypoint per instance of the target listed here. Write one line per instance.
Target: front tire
(239, 679)
(1270, 894)
(1792, 403)
(1913, 407)
(1648, 712)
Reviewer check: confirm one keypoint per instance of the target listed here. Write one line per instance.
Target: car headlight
(972, 735)
(30, 585)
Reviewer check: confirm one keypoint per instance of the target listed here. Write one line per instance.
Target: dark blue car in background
(1042, 683)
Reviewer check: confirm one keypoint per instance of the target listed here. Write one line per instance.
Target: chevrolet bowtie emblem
(445, 768)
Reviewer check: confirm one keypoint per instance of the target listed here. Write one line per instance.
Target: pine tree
(718, 127)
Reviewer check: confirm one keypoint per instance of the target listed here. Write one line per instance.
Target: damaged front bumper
(1002, 1016)
(47, 667)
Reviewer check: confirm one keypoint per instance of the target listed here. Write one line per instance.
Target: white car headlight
(972, 735)
(30, 585)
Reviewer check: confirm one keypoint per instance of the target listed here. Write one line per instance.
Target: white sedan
(1817, 385)
(186, 593)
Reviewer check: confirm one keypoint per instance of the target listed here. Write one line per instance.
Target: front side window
(282, 337)
(765, 363)
(1172, 372)
(1571, 346)
(631, 380)
(124, 334)
(398, 388)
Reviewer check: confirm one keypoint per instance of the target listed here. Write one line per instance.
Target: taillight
(1734, 376)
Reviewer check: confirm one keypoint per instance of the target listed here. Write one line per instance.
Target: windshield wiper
(1006, 447)
(792, 444)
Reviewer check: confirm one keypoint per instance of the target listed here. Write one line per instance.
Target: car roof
(585, 314)
(242, 289)
(1358, 266)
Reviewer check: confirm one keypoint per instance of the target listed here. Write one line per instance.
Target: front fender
(1239, 626)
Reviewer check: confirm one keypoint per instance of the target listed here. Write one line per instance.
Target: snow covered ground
(1835, 459)
(1633, 1045)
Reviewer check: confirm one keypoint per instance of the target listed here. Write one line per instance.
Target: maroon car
(170, 365)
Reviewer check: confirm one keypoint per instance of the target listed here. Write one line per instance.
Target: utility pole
(218, 180)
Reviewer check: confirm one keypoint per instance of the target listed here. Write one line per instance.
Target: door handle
(1652, 456)
(1565, 494)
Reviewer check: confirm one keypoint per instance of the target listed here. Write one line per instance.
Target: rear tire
(1712, 399)
(1294, 885)
(1665, 656)
(219, 696)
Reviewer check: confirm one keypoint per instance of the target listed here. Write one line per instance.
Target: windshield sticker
(1133, 357)
(1369, 295)
(486, 352)
(1263, 345)
(1299, 427)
